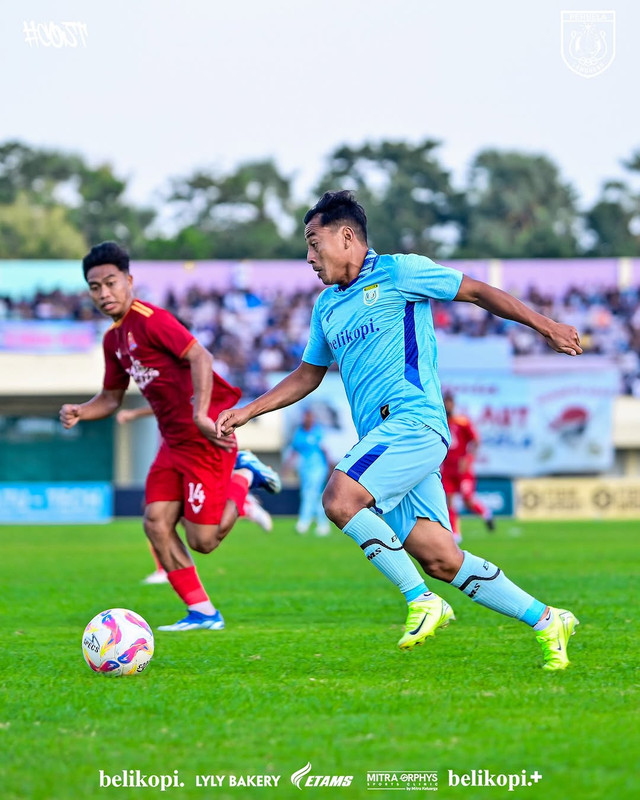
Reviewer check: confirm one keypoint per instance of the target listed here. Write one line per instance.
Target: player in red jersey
(252, 510)
(192, 478)
(457, 468)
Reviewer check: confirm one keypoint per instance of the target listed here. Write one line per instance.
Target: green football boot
(555, 637)
(423, 619)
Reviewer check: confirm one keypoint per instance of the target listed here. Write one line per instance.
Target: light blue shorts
(398, 463)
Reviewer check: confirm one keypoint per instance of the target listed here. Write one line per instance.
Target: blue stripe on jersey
(365, 461)
(411, 372)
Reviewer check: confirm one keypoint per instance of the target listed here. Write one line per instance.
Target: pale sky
(164, 87)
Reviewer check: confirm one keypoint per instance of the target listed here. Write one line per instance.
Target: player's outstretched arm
(126, 415)
(301, 382)
(105, 403)
(560, 337)
(201, 365)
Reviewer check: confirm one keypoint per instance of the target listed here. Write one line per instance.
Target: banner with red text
(539, 424)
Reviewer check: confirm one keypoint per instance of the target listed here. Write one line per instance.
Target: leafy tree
(30, 231)
(90, 199)
(246, 214)
(101, 212)
(38, 174)
(518, 207)
(610, 221)
(407, 194)
(614, 219)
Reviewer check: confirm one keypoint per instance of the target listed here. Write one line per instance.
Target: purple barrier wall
(22, 279)
(554, 276)
(268, 277)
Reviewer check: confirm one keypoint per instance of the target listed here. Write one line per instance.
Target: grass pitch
(308, 670)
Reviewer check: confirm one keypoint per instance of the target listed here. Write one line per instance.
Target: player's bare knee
(442, 566)
(202, 545)
(205, 541)
(155, 528)
(339, 509)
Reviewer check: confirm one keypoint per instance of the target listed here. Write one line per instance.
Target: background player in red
(192, 478)
(457, 468)
(252, 510)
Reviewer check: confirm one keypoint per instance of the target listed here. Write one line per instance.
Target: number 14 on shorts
(196, 496)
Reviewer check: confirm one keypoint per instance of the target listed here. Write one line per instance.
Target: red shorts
(197, 474)
(463, 483)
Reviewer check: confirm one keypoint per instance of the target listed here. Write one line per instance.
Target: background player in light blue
(375, 321)
(307, 451)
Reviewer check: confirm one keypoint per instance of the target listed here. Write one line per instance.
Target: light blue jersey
(379, 330)
(313, 469)
(308, 445)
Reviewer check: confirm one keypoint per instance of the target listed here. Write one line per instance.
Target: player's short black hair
(342, 207)
(106, 253)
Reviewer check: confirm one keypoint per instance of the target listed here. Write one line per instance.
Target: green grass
(308, 668)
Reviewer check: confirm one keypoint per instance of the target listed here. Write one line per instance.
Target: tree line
(54, 204)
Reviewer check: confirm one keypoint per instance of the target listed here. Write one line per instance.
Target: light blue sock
(385, 551)
(487, 585)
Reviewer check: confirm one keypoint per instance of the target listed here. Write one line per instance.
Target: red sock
(238, 491)
(187, 586)
(477, 507)
(453, 519)
(155, 557)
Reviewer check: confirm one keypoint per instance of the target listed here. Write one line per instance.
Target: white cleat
(159, 576)
(254, 511)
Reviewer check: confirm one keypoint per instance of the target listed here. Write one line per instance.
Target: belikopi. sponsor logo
(356, 334)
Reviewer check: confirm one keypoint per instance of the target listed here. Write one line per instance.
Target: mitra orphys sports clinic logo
(55, 34)
(588, 41)
(411, 780)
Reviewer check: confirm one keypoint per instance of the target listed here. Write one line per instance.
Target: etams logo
(411, 780)
(302, 778)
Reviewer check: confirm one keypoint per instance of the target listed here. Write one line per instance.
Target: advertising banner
(494, 493)
(55, 502)
(578, 498)
(573, 421)
(42, 337)
(538, 424)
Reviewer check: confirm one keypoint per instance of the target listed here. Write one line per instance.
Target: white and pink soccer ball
(117, 642)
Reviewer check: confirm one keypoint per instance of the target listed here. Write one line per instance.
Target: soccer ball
(117, 642)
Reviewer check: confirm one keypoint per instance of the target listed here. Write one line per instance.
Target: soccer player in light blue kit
(375, 321)
(313, 468)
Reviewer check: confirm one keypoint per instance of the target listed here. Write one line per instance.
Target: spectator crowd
(252, 335)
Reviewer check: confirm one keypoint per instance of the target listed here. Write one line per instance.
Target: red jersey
(462, 435)
(149, 345)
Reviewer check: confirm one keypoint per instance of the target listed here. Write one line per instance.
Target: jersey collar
(367, 266)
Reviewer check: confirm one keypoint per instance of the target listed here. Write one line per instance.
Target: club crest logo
(588, 41)
(370, 294)
(131, 342)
